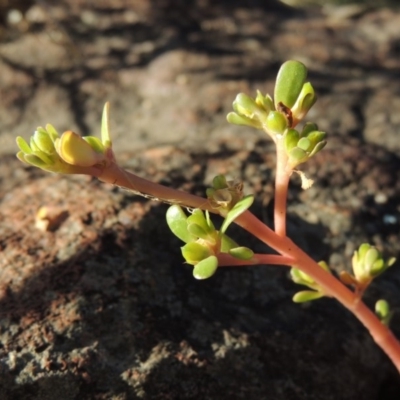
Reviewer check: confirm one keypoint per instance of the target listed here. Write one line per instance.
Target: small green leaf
(40, 129)
(53, 134)
(246, 106)
(276, 123)
(304, 144)
(209, 222)
(197, 231)
(242, 253)
(205, 268)
(315, 137)
(95, 143)
(21, 157)
(363, 250)
(35, 161)
(43, 141)
(240, 207)
(198, 218)
(44, 157)
(289, 83)
(382, 310)
(265, 102)
(23, 146)
(307, 295)
(318, 147)
(297, 155)
(236, 119)
(195, 252)
(308, 128)
(177, 222)
(306, 100)
(227, 243)
(391, 261)
(33, 145)
(324, 266)
(301, 278)
(290, 139)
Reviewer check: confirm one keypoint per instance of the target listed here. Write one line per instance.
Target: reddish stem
(331, 286)
(281, 188)
(283, 245)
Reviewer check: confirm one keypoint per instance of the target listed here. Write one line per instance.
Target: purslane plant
(207, 248)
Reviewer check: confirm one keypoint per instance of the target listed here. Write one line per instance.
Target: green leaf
(324, 266)
(290, 139)
(236, 119)
(240, 207)
(198, 218)
(43, 141)
(52, 132)
(382, 308)
(363, 250)
(289, 83)
(33, 145)
(35, 161)
(315, 137)
(304, 144)
(308, 128)
(205, 268)
(276, 122)
(195, 252)
(307, 295)
(227, 243)
(306, 100)
(241, 253)
(21, 156)
(373, 259)
(209, 222)
(23, 146)
(246, 106)
(177, 222)
(95, 143)
(265, 102)
(44, 157)
(197, 231)
(301, 278)
(318, 147)
(297, 155)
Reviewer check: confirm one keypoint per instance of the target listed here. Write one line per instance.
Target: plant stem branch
(117, 176)
(290, 253)
(331, 286)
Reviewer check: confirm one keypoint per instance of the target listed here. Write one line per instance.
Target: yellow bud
(76, 151)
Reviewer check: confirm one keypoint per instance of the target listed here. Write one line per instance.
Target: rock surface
(101, 306)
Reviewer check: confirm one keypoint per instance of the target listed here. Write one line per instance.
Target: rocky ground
(101, 305)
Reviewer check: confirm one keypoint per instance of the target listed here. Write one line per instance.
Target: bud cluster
(68, 153)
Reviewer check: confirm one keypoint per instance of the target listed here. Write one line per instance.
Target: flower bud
(368, 263)
(248, 111)
(75, 150)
